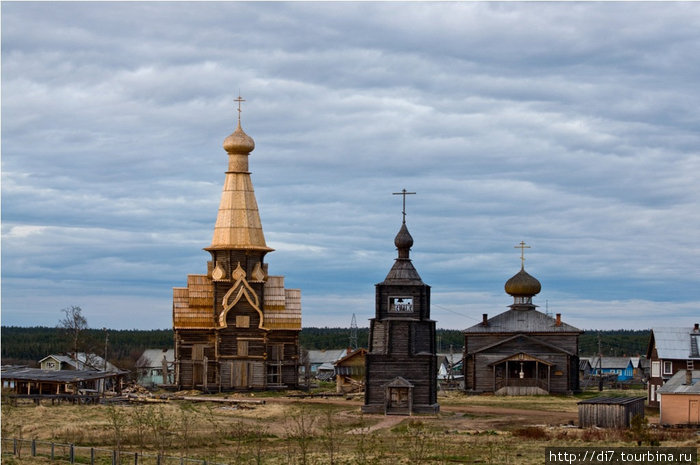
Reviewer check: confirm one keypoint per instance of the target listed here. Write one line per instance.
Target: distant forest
(26, 346)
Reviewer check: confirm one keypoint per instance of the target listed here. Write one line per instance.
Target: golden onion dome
(523, 285)
(239, 142)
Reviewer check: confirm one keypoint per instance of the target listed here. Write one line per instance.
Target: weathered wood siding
(479, 375)
(609, 415)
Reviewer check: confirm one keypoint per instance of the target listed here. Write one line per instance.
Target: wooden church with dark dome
(521, 351)
(401, 364)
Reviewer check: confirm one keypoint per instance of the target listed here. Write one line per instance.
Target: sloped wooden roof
(193, 306)
(522, 321)
(282, 308)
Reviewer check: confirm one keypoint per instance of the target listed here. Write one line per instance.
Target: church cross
(522, 248)
(404, 193)
(239, 100)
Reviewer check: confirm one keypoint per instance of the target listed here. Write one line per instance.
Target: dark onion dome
(523, 285)
(239, 141)
(403, 239)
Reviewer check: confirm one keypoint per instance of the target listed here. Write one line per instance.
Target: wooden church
(401, 365)
(521, 351)
(236, 327)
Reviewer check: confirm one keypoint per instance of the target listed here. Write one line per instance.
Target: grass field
(469, 429)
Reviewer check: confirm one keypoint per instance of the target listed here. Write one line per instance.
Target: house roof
(154, 357)
(520, 321)
(60, 376)
(317, 357)
(676, 343)
(612, 400)
(361, 352)
(399, 381)
(533, 341)
(83, 361)
(676, 385)
(611, 362)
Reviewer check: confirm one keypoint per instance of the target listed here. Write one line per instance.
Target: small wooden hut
(609, 412)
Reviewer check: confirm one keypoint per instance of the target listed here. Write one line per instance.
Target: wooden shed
(609, 412)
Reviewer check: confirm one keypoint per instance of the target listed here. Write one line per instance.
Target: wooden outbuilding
(609, 412)
(82, 386)
(236, 327)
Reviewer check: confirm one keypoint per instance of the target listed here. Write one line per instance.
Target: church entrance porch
(398, 397)
(521, 374)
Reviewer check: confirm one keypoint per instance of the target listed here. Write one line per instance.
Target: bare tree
(300, 430)
(74, 323)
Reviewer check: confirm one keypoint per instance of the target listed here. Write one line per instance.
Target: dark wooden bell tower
(401, 366)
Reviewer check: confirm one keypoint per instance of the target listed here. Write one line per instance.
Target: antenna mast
(353, 333)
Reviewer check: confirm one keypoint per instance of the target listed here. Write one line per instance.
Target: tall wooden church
(521, 351)
(401, 366)
(236, 327)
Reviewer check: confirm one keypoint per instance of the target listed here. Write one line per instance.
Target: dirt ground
(468, 429)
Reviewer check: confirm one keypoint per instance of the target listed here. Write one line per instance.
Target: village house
(152, 364)
(622, 367)
(679, 399)
(350, 372)
(323, 358)
(669, 351)
(521, 351)
(81, 361)
(236, 326)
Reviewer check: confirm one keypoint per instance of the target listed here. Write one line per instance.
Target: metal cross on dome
(239, 100)
(404, 193)
(522, 248)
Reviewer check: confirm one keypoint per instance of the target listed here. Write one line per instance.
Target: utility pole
(353, 333)
(106, 342)
(600, 366)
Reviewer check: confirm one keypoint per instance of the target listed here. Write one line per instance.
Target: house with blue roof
(620, 366)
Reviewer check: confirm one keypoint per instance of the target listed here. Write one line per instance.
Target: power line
(456, 313)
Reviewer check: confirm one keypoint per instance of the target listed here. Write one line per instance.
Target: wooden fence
(71, 453)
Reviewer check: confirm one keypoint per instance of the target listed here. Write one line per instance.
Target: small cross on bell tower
(404, 193)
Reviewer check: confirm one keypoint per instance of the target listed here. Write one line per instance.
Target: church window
(401, 304)
(198, 352)
(243, 348)
(242, 321)
(276, 351)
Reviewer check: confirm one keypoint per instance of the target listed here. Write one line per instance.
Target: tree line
(28, 345)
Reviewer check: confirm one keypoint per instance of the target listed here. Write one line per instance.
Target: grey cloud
(571, 126)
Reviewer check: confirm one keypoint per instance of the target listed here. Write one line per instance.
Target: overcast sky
(574, 127)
